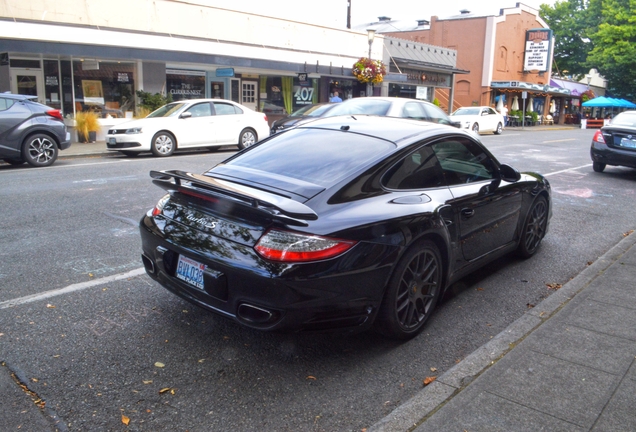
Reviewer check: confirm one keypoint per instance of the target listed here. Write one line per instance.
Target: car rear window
(361, 106)
(318, 156)
(624, 120)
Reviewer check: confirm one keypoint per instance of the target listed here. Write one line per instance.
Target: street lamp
(371, 36)
(588, 78)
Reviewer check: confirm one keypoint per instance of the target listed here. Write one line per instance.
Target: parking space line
(71, 288)
(566, 170)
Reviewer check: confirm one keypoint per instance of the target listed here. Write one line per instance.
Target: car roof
(18, 96)
(401, 131)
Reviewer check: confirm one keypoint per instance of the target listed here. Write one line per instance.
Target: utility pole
(349, 14)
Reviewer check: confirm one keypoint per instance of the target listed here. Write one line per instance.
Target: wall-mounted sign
(225, 72)
(538, 49)
(123, 77)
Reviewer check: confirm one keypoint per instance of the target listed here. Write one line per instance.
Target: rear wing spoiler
(269, 204)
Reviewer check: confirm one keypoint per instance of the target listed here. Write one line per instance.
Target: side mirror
(185, 115)
(509, 173)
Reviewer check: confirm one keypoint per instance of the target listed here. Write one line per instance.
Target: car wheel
(534, 228)
(598, 166)
(476, 128)
(412, 292)
(14, 161)
(499, 129)
(130, 153)
(39, 150)
(247, 138)
(163, 144)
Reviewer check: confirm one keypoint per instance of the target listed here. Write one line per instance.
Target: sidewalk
(569, 364)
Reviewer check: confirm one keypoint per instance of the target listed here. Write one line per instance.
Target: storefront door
(249, 98)
(28, 82)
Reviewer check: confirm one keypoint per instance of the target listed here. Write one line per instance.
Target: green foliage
(572, 23)
(153, 101)
(614, 52)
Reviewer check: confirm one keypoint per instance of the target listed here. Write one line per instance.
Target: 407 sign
(304, 95)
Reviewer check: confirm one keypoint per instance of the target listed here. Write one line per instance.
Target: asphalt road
(103, 343)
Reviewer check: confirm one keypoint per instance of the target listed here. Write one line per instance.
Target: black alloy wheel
(534, 228)
(39, 150)
(412, 292)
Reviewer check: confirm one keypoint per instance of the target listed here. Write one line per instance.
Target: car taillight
(288, 246)
(160, 205)
(55, 113)
(265, 117)
(598, 137)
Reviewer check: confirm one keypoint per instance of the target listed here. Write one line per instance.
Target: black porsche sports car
(341, 223)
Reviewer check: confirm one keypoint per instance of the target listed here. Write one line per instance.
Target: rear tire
(412, 292)
(163, 144)
(39, 150)
(499, 129)
(247, 138)
(598, 166)
(534, 228)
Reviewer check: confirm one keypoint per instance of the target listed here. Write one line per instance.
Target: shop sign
(122, 77)
(51, 80)
(225, 72)
(430, 79)
(303, 79)
(184, 72)
(304, 95)
(537, 52)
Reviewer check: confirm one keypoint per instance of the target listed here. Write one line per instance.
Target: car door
(485, 207)
(229, 121)
(12, 114)
(195, 126)
(491, 119)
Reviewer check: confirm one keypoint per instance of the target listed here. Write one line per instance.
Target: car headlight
(135, 130)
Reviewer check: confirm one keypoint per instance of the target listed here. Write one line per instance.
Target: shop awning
(576, 89)
(519, 86)
(608, 102)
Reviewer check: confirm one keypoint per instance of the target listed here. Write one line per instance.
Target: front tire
(163, 144)
(247, 138)
(534, 228)
(412, 292)
(499, 129)
(598, 166)
(476, 128)
(39, 150)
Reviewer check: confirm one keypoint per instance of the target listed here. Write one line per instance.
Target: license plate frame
(190, 271)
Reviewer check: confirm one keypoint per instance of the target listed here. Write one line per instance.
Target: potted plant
(87, 125)
(369, 71)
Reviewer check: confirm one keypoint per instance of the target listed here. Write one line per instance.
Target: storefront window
(284, 95)
(185, 84)
(52, 84)
(104, 87)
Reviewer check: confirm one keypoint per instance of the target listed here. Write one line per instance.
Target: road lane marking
(566, 170)
(563, 140)
(71, 288)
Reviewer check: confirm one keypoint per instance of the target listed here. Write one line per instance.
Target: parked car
(342, 222)
(304, 113)
(393, 107)
(479, 119)
(30, 132)
(210, 123)
(615, 143)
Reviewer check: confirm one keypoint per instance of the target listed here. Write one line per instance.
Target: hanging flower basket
(369, 71)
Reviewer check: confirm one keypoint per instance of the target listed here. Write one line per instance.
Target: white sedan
(479, 119)
(210, 123)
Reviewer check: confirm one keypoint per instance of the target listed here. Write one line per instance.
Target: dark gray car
(30, 132)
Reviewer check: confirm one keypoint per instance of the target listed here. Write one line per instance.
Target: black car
(30, 132)
(304, 113)
(615, 143)
(341, 223)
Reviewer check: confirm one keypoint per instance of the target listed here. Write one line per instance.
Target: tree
(614, 52)
(571, 24)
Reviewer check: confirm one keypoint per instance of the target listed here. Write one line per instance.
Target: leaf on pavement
(50, 306)
(433, 369)
(311, 378)
(147, 381)
(166, 390)
(125, 420)
(428, 380)
(554, 286)
(160, 365)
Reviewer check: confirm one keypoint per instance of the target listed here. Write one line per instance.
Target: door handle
(467, 213)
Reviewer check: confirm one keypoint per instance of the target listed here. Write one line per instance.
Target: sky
(333, 13)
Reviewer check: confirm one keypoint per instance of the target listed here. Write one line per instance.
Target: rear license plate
(190, 271)
(629, 143)
(112, 141)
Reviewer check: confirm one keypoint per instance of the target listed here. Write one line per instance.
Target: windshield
(321, 157)
(166, 110)
(467, 111)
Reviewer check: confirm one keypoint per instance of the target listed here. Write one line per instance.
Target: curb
(429, 400)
